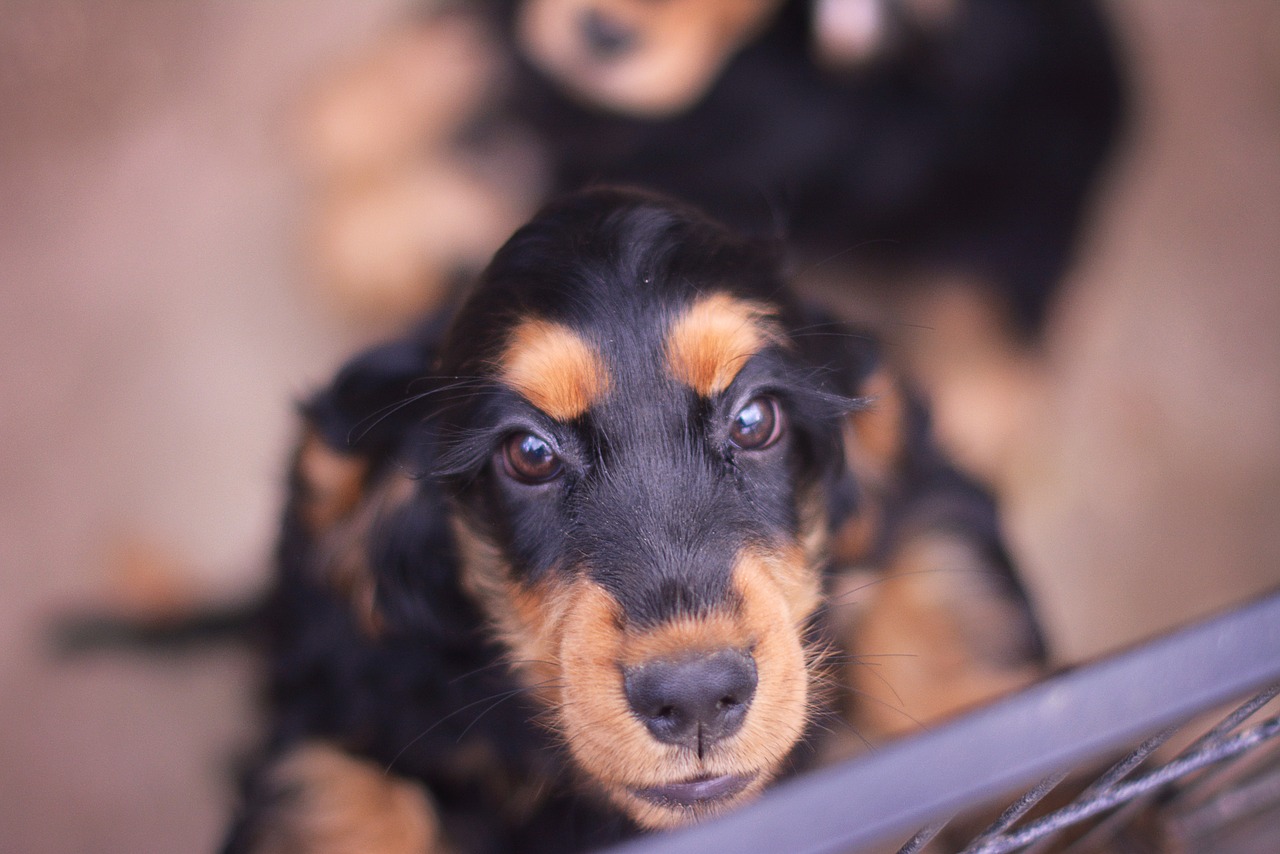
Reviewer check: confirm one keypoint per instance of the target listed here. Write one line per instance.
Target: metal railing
(1035, 739)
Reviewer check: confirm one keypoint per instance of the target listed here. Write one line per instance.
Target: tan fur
(554, 369)
(688, 635)
(708, 344)
(526, 618)
(611, 744)
(569, 641)
(874, 435)
(937, 639)
(854, 541)
(350, 517)
(874, 444)
(814, 541)
(326, 801)
(332, 483)
(681, 47)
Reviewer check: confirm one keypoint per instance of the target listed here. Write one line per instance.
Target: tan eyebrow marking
(712, 340)
(553, 368)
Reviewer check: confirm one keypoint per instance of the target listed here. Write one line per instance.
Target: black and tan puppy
(556, 569)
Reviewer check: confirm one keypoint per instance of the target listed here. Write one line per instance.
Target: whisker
(505, 695)
(502, 662)
(819, 263)
(890, 706)
(365, 425)
(502, 699)
(840, 599)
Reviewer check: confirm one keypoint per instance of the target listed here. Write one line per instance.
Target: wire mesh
(1109, 796)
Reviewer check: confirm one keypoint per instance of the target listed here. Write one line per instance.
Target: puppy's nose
(605, 37)
(693, 701)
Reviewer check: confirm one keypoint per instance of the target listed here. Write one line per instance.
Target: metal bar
(1017, 810)
(1238, 716)
(1108, 827)
(1066, 721)
(1260, 793)
(1192, 794)
(1125, 766)
(926, 834)
(1125, 792)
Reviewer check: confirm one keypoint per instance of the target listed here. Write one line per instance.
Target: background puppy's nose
(693, 701)
(605, 37)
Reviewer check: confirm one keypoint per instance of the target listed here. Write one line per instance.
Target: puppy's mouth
(699, 791)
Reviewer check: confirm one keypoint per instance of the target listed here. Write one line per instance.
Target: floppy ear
(369, 405)
(875, 434)
(364, 519)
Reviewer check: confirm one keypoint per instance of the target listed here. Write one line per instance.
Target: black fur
(970, 149)
(649, 485)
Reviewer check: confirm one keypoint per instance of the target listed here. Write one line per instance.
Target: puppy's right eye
(757, 425)
(528, 458)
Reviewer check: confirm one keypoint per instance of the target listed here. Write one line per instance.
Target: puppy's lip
(698, 791)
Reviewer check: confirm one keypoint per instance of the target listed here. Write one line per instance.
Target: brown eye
(529, 459)
(757, 425)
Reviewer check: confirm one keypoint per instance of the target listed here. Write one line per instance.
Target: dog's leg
(319, 799)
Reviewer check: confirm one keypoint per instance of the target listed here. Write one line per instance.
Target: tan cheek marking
(554, 369)
(776, 602)
(528, 619)
(875, 437)
(341, 511)
(343, 550)
(708, 344)
(329, 802)
(332, 483)
(792, 575)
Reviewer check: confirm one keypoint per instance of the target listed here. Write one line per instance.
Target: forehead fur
(553, 368)
(714, 337)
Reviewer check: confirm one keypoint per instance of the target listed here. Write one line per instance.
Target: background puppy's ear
(364, 521)
(873, 433)
(370, 404)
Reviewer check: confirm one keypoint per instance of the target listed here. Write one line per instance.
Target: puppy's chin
(659, 786)
(670, 805)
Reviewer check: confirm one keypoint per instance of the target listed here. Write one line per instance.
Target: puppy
(558, 567)
(909, 140)
(963, 148)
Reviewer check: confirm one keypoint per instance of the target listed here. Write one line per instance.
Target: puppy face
(635, 446)
(640, 57)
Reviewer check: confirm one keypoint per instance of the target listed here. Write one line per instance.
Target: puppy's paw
(322, 800)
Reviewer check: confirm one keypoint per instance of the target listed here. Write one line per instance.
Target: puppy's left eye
(757, 425)
(528, 458)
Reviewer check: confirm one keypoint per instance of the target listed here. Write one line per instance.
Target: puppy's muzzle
(693, 701)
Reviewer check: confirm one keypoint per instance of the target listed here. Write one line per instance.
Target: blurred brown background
(155, 324)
